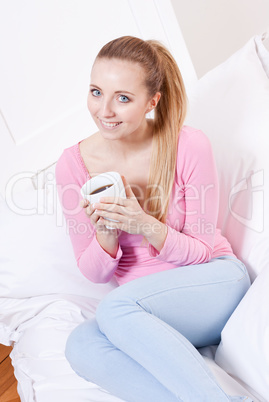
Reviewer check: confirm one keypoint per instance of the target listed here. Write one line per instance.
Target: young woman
(180, 279)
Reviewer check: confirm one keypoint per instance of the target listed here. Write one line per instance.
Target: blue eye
(95, 92)
(124, 99)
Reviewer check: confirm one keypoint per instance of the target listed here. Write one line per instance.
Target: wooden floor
(8, 383)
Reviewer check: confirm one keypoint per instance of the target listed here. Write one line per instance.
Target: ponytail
(161, 75)
(169, 117)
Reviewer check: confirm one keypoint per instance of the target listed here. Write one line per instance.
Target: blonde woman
(179, 279)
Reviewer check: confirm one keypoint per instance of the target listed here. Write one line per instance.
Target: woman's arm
(96, 257)
(107, 238)
(197, 198)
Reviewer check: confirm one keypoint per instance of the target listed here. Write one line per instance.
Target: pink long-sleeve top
(192, 236)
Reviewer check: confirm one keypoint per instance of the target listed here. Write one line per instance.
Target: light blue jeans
(142, 345)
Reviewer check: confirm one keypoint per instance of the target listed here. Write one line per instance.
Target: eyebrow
(117, 92)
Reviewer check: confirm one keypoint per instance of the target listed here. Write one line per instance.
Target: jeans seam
(188, 286)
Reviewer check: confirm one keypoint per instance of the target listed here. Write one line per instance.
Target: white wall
(214, 29)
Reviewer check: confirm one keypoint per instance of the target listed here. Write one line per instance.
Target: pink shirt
(192, 215)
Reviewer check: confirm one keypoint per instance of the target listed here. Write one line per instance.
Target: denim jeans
(142, 345)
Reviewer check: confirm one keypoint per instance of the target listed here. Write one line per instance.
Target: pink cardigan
(193, 209)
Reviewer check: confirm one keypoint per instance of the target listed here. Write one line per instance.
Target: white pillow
(37, 257)
(244, 349)
(231, 105)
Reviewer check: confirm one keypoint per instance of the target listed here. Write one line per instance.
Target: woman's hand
(107, 238)
(94, 218)
(130, 217)
(126, 212)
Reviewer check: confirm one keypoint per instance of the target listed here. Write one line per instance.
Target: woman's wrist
(155, 232)
(108, 240)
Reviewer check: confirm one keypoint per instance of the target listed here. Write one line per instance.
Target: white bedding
(43, 372)
(43, 296)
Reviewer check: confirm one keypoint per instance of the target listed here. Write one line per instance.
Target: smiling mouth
(110, 125)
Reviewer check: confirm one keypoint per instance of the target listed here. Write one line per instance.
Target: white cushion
(37, 257)
(244, 349)
(231, 105)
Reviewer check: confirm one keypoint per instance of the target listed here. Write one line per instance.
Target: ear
(153, 102)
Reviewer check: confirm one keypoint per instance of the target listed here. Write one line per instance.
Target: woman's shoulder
(68, 157)
(194, 151)
(70, 165)
(193, 139)
(188, 133)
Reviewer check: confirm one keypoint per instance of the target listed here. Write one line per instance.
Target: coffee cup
(108, 184)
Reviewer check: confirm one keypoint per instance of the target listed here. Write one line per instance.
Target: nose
(106, 109)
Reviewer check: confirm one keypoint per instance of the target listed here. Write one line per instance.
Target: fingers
(111, 200)
(89, 211)
(117, 212)
(97, 221)
(84, 203)
(111, 208)
(89, 208)
(110, 216)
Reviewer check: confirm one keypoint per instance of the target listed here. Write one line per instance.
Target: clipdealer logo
(40, 199)
(245, 200)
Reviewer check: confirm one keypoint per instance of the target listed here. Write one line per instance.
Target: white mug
(108, 184)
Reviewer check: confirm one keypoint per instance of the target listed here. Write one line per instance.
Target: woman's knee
(112, 311)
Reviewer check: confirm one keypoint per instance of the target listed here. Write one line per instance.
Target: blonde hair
(161, 75)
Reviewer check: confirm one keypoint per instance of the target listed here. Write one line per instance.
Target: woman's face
(118, 100)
